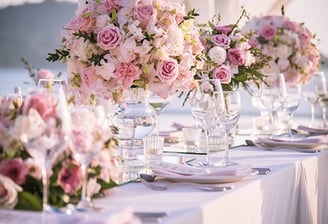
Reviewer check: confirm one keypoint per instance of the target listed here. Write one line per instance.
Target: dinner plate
(203, 179)
(292, 145)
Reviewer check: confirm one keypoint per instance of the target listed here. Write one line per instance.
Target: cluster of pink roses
(290, 45)
(228, 56)
(20, 173)
(111, 46)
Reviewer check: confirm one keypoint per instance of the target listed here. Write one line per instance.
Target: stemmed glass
(206, 103)
(87, 141)
(292, 101)
(323, 102)
(229, 121)
(272, 94)
(52, 136)
(312, 91)
(50, 84)
(159, 104)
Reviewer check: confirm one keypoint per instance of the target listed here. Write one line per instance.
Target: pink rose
(15, 169)
(69, 177)
(236, 56)
(268, 31)
(43, 74)
(221, 40)
(223, 73)
(111, 4)
(127, 73)
(291, 25)
(168, 71)
(145, 14)
(44, 104)
(109, 37)
(224, 29)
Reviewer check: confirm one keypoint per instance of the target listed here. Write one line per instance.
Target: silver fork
(162, 186)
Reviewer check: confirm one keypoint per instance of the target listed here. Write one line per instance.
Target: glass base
(226, 161)
(131, 169)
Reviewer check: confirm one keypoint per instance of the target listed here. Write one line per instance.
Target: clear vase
(136, 120)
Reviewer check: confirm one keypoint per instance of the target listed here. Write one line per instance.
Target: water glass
(191, 138)
(153, 148)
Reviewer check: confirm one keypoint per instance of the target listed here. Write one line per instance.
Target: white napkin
(165, 168)
(313, 131)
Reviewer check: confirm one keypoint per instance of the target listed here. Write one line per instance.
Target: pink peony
(15, 169)
(43, 74)
(44, 104)
(146, 14)
(223, 73)
(236, 56)
(69, 177)
(127, 73)
(168, 71)
(268, 31)
(109, 37)
(224, 29)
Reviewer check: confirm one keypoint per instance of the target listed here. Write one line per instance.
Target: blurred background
(30, 29)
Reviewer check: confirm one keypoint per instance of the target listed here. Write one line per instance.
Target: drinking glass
(312, 90)
(292, 101)
(228, 121)
(51, 142)
(159, 104)
(51, 85)
(323, 102)
(272, 94)
(87, 141)
(206, 103)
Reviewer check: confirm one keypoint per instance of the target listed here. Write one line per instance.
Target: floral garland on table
(112, 46)
(229, 57)
(20, 174)
(291, 46)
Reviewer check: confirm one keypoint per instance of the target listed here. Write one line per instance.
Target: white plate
(203, 179)
(301, 147)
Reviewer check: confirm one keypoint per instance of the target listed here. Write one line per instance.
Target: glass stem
(44, 172)
(207, 146)
(312, 114)
(272, 114)
(84, 195)
(289, 125)
(226, 158)
(324, 116)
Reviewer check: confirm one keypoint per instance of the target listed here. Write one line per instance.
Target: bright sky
(5, 3)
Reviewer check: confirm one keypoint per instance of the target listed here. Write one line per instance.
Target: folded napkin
(313, 131)
(295, 141)
(173, 169)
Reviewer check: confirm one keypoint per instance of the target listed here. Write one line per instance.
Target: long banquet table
(295, 191)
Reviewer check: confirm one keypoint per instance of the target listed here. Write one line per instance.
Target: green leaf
(27, 201)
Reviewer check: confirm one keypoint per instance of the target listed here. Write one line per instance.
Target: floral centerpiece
(20, 173)
(113, 46)
(229, 56)
(291, 46)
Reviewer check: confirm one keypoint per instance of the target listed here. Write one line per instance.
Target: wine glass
(50, 85)
(272, 94)
(159, 104)
(312, 90)
(292, 101)
(229, 121)
(206, 103)
(87, 141)
(47, 136)
(323, 102)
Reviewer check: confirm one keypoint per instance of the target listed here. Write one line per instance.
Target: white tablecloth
(295, 192)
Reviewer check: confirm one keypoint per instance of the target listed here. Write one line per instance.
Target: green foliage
(28, 201)
(59, 55)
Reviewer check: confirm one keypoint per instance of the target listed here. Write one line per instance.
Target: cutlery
(162, 186)
(151, 217)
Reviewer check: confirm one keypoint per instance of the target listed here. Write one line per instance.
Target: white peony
(217, 54)
(283, 51)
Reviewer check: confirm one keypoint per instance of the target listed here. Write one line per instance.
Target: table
(295, 191)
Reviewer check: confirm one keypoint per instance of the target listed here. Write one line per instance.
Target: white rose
(217, 54)
(283, 51)
(31, 126)
(283, 63)
(102, 20)
(8, 192)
